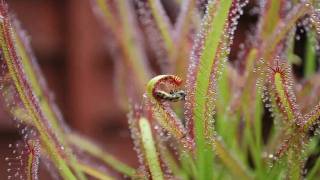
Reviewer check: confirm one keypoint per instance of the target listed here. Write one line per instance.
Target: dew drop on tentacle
(23, 162)
(135, 113)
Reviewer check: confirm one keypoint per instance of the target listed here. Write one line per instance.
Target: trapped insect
(173, 96)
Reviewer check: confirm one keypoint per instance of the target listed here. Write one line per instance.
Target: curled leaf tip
(163, 87)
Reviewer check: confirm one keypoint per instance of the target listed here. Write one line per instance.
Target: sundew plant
(194, 111)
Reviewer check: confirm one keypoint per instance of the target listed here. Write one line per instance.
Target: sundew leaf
(169, 122)
(35, 76)
(284, 98)
(38, 85)
(149, 163)
(281, 87)
(269, 17)
(150, 150)
(295, 145)
(26, 95)
(212, 31)
(25, 164)
(134, 115)
(285, 25)
(281, 91)
(162, 111)
(33, 159)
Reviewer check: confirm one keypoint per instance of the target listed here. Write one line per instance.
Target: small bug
(173, 96)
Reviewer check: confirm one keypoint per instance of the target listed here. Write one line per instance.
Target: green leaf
(152, 158)
(164, 115)
(34, 75)
(217, 18)
(24, 92)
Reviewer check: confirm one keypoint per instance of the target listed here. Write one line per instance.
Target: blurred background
(70, 47)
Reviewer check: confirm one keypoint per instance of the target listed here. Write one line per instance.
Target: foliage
(224, 133)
